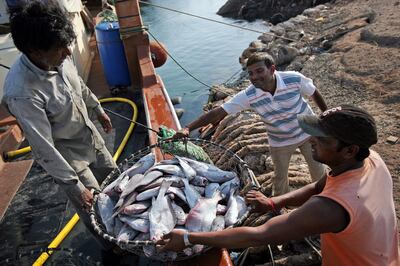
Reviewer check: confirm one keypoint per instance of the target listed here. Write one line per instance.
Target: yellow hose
(72, 222)
(131, 126)
(59, 238)
(12, 154)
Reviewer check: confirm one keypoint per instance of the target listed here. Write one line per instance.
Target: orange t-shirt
(371, 236)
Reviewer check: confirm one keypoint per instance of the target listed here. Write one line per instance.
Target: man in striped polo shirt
(278, 97)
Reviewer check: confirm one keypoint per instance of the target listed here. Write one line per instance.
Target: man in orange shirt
(351, 206)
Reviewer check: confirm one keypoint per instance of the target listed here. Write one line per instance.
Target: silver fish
(132, 185)
(142, 237)
(136, 208)
(242, 206)
(143, 215)
(162, 217)
(201, 217)
(210, 189)
(176, 191)
(123, 202)
(171, 196)
(121, 185)
(134, 182)
(197, 248)
(168, 169)
(105, 206)
(225, 188)
(173, 161)
(151, 252)
(201, 190)
(148, 194)
(117, 227)
(189, 172)
(179, 214)
(232, 214)
(109, 189)
(211, 172)
(138, 224)
(221, 209)
(188, 251)
(176, 182)
(142, 165)
(192, 196)
(126, 233)
(218, 223)
(200, 181)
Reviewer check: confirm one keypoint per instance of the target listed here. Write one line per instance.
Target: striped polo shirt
(279, 111)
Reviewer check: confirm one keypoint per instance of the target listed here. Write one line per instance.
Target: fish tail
(217, 195)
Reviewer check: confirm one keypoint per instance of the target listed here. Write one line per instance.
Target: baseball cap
(347, 123)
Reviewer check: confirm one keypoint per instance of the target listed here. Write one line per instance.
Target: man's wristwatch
(186, 239)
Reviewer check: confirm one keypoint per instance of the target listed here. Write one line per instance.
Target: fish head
(202, 181)
(171, 196)
(217, 196)
(158, 233)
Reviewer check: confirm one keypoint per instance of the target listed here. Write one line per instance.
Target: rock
(176, 100)
(259, 45)
(220, 92)
(243, 61)
(296, 66)
(277, 18)
(278, 30)
(326, 44)
(179, 112)
(288, 25)
(231, 8)
(310, 12)
(283, 54)
(392, 139)
(295, 35)
(367, 35)
(266, 38)
(256, 46)
(248, 52)
(299, 19)
(251, 14)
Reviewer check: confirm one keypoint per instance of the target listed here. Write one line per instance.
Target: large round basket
(246, 175)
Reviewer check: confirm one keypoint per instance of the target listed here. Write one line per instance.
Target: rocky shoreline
(274, 11)
(351, 51)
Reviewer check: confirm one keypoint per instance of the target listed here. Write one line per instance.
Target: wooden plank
(147, 71)
(11, 176)
(128, 14)
(5, 117)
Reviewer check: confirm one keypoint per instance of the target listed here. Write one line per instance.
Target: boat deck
(40, 209)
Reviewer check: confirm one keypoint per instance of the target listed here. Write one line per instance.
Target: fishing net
(245, 174)
(181, 148)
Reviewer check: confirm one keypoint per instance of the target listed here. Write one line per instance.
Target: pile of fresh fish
(148, 200)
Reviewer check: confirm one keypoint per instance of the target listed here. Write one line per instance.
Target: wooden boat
(147, 91)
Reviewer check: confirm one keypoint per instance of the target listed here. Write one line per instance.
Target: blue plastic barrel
(112, 54)
(15, 3)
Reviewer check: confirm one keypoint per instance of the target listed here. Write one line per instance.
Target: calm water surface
(208, 50)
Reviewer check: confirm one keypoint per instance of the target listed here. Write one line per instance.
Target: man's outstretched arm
(212, 117)
(262, 204)
(319, 100)
(316, 216)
